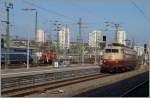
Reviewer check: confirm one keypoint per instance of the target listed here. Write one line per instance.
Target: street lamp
(30, 9)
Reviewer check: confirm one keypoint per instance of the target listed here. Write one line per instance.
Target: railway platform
(43, 69)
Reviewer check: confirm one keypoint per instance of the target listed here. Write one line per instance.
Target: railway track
(16, 66)
(26, 90)
(133, 90)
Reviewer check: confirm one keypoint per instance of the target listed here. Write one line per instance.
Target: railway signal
(2, 43)
(104, 38)
(145, 48)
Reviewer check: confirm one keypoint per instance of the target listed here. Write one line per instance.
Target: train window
(111, 50)
(20, 50)
(108, 50)
(114, 50)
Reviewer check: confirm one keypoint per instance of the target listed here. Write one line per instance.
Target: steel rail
(23, 91)
(134, 88)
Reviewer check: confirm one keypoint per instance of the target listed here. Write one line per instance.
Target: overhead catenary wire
(53, 12)
(56, 13)
(140, 10)
(49, 11)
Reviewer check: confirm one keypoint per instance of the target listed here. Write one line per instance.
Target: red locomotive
(47, 57)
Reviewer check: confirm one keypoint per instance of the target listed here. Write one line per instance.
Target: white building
(40, 36)
(94, 37)
(139, 50)
(64, 38)
(121, 37)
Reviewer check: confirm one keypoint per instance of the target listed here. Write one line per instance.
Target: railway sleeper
(20, 91)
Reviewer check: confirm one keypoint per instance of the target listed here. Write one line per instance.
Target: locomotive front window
(108, 50)
(111, 50)
(114, 50)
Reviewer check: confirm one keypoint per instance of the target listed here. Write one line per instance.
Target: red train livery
(48, 57)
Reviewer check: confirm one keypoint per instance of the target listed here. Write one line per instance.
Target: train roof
(118, 45)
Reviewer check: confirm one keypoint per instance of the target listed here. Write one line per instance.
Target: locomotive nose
(112, 62)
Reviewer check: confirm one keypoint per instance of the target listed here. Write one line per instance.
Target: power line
(48, 10)
(140, 10)
(56, 13)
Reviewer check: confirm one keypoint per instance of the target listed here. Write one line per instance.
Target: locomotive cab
(118, 59)
(113, 56)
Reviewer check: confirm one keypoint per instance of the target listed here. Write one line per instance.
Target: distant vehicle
(47, 57)
(118, 58)
(16, 56)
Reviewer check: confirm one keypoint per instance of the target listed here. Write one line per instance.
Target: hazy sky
(93, 13)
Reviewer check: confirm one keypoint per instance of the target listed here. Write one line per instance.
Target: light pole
(30, 9)
(49, 42)
(36, 13)
(8, 7)
(96, 49)
(28, 51)
(66, 42)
